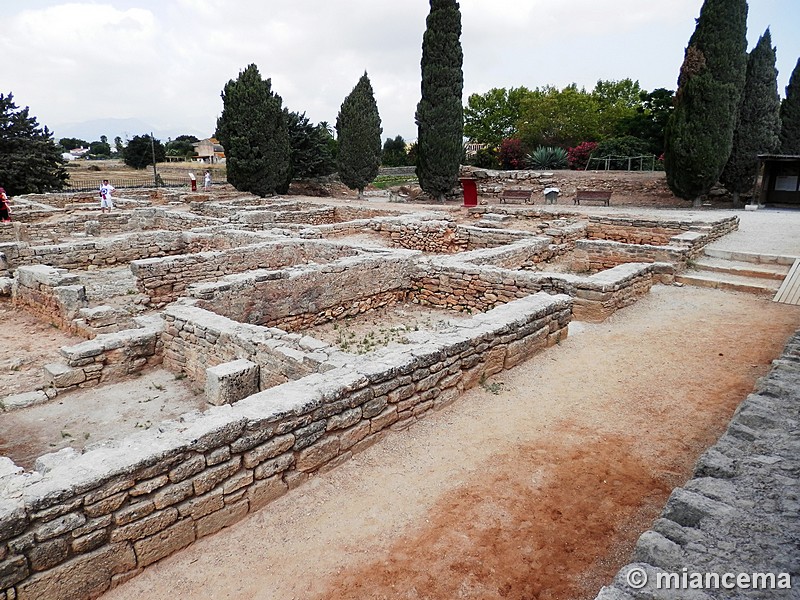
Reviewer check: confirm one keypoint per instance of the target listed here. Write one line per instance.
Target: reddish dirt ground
(538, 491)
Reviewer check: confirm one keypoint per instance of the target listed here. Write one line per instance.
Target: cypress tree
(440, 119)
(790, 115)
(699, 134)
(358, 128)
(252, 129)
(758, 124)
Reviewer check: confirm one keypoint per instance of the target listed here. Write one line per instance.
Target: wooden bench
(515, 195)
(593, 195)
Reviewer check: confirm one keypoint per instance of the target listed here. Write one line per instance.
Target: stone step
(725, 281)
(744, 269)
(750, 257)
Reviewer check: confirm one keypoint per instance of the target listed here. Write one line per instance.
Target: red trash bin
(470, 190)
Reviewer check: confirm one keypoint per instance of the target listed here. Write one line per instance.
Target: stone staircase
(760, 274)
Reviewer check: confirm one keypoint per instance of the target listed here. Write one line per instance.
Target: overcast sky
(165, 62)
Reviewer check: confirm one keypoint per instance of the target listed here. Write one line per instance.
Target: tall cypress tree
(358, 129)
(790, 115)
(699, 134)
(440, 119)
(252, 129)
(759, 124)
(30, 161)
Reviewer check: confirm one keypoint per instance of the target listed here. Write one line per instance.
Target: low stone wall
(593, 256)
(654, 232)
(526, 253)
(81, 524)
(738, 514)
(196, 339)
(52, 294)
(163, 280)
(458, 286)
(319, 292)
(108, 357)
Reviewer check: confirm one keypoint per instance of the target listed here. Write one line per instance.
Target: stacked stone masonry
(80, 524)
(738, 515)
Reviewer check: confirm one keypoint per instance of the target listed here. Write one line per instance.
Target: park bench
(593, 195)
(516, 195)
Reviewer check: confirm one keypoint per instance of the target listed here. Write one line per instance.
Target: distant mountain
(124, 128)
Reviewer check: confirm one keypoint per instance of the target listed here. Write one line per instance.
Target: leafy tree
(759, 124)
(621, 148)
(651, 118)
(100, 149)
(253, 130)
(30, 161)
(486, 158)
(699, 134)
(358, 127)
(492, 117)
(394, 152)
(790, 115)
(139, 151)
(178, 147)
(311, 149)
(552, 117)
(512, 154)
(72, 143)
(118, 144)
(618, 102)
(439, 115)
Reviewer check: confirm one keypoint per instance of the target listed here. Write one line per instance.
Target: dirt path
(538, 491)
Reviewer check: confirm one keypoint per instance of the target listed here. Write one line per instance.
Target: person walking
(5, 209)
(207, 180)
(106, 201)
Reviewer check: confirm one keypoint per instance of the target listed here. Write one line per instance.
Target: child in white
(106, 202)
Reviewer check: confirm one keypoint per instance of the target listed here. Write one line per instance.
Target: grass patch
(383, 182)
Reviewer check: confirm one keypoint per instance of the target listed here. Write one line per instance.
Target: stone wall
(319, 292)
(738, 514)
(81, 524)
(52, 294)
(593, 256)
(462, 287)
(163, 280)
(654, 232)
(108, 357)
(196, 339)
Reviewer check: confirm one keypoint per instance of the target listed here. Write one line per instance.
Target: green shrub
(545, 157)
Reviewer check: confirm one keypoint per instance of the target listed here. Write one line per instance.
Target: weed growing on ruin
(493, 388)
(179, 376)
(65, 434)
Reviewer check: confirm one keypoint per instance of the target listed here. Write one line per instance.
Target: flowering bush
(578, 156)
(512, 154)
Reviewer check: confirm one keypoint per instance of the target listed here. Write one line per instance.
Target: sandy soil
(26, 345)
(535, 485)
(92, 415)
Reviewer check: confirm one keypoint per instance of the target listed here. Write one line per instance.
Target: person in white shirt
(106, 202)
(207, 180)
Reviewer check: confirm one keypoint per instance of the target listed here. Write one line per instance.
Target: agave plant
(548, 158)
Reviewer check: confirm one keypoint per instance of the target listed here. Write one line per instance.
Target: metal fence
(91, 184)
(623, 163)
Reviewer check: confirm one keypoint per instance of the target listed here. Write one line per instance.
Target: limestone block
(23, 400)
(230, 382)
(164, 543)
(6, 283)
(62, 376)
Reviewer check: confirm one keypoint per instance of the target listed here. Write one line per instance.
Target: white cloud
(166, 62)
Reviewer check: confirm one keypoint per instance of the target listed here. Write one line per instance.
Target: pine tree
(758, 124)
(699, 134)
(311, 150)
(358, 128)
(790, 115)
(440, 119)
(252, 128)
(138, 153)
(30, 160)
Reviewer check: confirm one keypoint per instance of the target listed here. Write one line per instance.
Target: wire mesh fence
(623, 163)
(90, 184)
